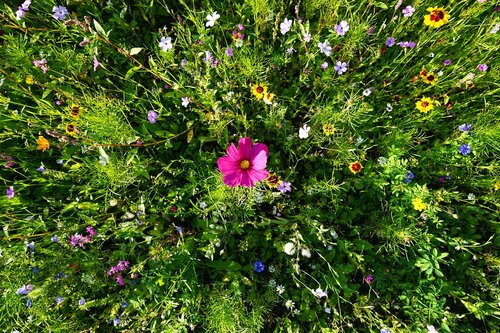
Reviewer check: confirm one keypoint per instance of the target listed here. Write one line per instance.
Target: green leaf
(131, 72)
(380, 4)
(99, 29)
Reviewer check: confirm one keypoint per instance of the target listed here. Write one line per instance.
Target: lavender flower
(340, 67)
(81, 301)
(20, 13)
(325, 48)
(465, 149)
(25, 289)
(369, 279)
(96, 63)
(465, 127)
(59, 299)
(40, 169)
(482, 67)
(152, 116)
(447, 62)
(208, 57)
(60, 12)
(55, 239)
(307, 37)
(407, 44)
(390, 41)
(320, 293)
(10, 192)
(324, 65)
(409, 177)
(285, 26)
(229, 51)
(285, 187)
(342, 28)
(166, 43)
(408, 11)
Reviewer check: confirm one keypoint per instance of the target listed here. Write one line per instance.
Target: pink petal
(234, 178)
(257, 175)
(246, 180)
(233, 153)
(228, 165)
(259, 156)
(245, 148)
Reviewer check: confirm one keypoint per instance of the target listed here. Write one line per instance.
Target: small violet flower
(465, 127)
(185, 101)
(482, 67)
(447, 62)
(166, 43)
(408, 11)
(285, 26)
(229, 51)
(465, 149)
(369, 279)
(324, 65)
(10, 192)
(390, 41)
(152, 116)
(60, 12)
(96, 63)
(407, 44)
(340, 67)
(342, 28)
(284, 187)
(325, 48)
(258, 266)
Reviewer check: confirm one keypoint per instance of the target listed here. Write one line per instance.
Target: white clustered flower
(289, 248)
(305, 252)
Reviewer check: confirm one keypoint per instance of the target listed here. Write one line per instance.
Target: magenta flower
(482, 67)
(10, 192)
(244, 165)
(96, 63)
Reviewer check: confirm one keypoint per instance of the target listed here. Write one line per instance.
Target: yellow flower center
(245, 164)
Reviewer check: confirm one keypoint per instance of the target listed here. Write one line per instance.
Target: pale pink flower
(244, 165)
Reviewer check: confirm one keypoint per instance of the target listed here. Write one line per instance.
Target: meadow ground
(249, 166)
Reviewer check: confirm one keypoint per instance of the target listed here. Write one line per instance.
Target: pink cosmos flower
(244, 165)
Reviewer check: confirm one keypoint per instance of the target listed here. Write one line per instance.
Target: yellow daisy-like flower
(437, 17)
(425, 104)
(259, 90)
(418, 204)
(428, 77)
(76, 111)
(273, 180)
(328, 129)
(30, 79)
(497, 186)
(268, 98)
(71, 129)
(43, 144)
(355, 167)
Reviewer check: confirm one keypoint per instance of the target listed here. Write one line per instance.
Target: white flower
(307, 37)
(290, 304)
(389, 107)
(325, 48)
(272, 283)
(495, 29)
(289, 248)
(431, 329)
(211, 19)
(285, 26)
(280, 289)
(431, 55)
(367, 92)
(304, 132)
(166, 43)
(185, 101)
(203, 205)
(305, 252)
(290, 50)
(471, 196)
(320, 293)
(328, 310)
(272, 269)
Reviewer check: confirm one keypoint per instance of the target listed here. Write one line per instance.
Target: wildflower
(285, 26)
(29, 303)
(431, 329)
(240, 27)
(290, 304)
(40, 169)
(328, 129)
(238, 37)
(425, 104)
(25, 289)
(20, 13)
(71, 129)
(482, 67)
(307, 37)
(305, 252)
(59, 299)
(437, 17)
(304, 131)
(367, 92)
(259, 90)
(10, 192)
(268, 98)
(76, 111)
(385, 330)
(389, 107)
(78, 240)
(289, 248)
(116, 321)
(324, 65)
(119, 280)
(273, 180)
(258, 266)
(41, 64)
(355, 167)
(81, 301)
(465, 149)
(290, 50)
(320, 293)
(60, 12)
(418, 204)
(447, 62)
(96, 63)
(408, 11)
(152, 116)
(371, 30)
(211, 18)
(369, 279)
(229, 51)
(166, 43)
(208, 57)
(342, 28)
(325, 48)
(465, 127)
(280, 289)
(407, 44)
(390, 41)
(43, 144)
(409, 177)
(495, 29)
(185, 101)
(54, 239)
(340, 67)
(244, 166)
(471, 196)
(90, 230)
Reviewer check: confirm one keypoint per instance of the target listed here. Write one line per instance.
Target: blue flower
(409, 177)
(258, 266)
(465, 127)
(59, 299)
(124, 304)
(29, 303)
(81, 301)
(465, 149)
(390, 41)
(31, 246)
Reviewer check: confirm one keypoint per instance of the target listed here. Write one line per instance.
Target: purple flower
(407, 44)
(208, 57)
(119, 280)
(320, 293)
(369, 279)
(60, 12)
(55, 239)
(184, 62)
(81, 301)
(79, 240)
(324, 65)
(91, 231)
(229, 51)
(447, 62)
(59, 299)
(166, 43)
(482, 67)
(26, 5)
(390, 41)
(96, 63)
(465, 149)
(409, 177)
(40, 169)
(465, 127)
(342, 28)
(29, 303)
(31, 246)
(408, 11)
(25, 289)
(284, 187)
(371, 30)
(124, 304)
(10, 192)
(240, 27)
(152, 116)
(258, 266)
(325, 48)
(20, 13)
(340, 67)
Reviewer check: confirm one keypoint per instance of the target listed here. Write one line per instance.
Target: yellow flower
(328, 129)
(497, 186)
(272, 180)
(76, 111)
(259, 90)
(30, 80)
(425, 104)
(419, 205)
(428, 77)
(437, 17)
(71, 129)
(43, 144)
(268, 98)
(355, 167)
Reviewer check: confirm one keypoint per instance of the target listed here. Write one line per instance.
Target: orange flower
(437, 17)
(355, 167)
(43, 144)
